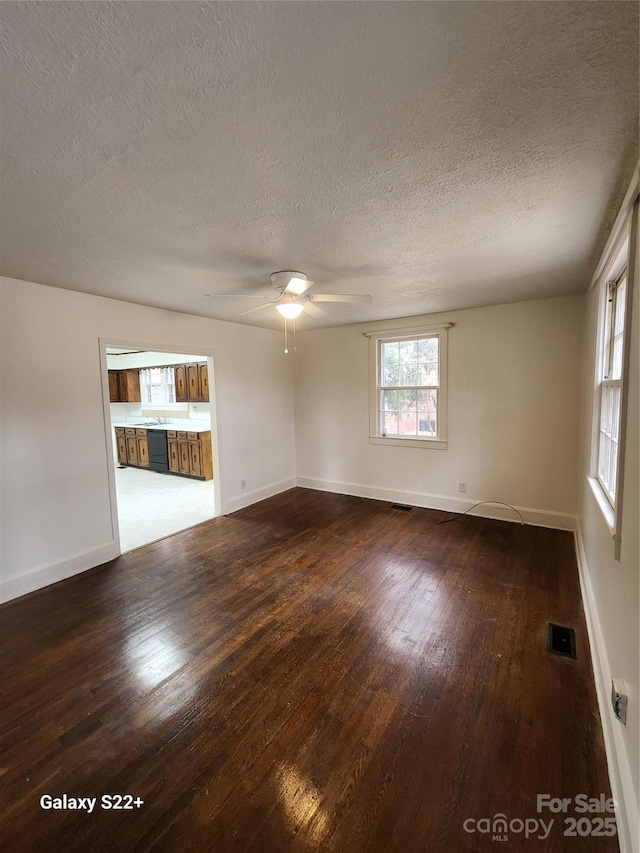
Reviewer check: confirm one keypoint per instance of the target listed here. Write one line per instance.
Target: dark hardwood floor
(314, 673)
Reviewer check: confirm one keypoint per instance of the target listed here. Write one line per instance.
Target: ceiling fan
(292, 297)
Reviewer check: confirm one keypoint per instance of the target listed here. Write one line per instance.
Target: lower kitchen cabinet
(132, 446)
(121, 443)
(174, 456)
(183, 453)
(190, 453)
(143, 448)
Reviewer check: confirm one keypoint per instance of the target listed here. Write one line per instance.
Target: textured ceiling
(436, 155)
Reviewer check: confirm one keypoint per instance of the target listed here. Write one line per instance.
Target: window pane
(407, 422)
(428, 373)
(389, 400)
(407, 400)
(427, 424)
(615, 394)
(390, 354)
(621, 295)
(427, 400)
(616, 358)
(602, 466)
(428, 349)
(390, 374)
(409, 352)
(605, 410)
(389, 423)
(613, 460)
(408, 374)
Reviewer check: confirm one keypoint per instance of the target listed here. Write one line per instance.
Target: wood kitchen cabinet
(143, 448)
(183, 453)
(174, 455)
(114, 390)
(132, 446)
(190, 453)
(121, 443)
(203, 380)
(195, 457)
(180, 374)
(124, 386)
(192, 382)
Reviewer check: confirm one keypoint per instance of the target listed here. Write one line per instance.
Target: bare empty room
(319, 391)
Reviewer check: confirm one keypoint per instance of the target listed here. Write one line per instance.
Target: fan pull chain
(295, 348)
(286, 349)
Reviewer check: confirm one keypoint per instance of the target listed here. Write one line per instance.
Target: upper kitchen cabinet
(192, 383)
(182, 393)
(124, 386)
(203, 380)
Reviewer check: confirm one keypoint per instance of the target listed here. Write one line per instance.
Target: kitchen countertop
(191, 426)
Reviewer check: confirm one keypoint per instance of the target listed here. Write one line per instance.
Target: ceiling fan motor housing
(280, 279)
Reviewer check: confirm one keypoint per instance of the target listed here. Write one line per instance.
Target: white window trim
(621, 254)
(378, 336)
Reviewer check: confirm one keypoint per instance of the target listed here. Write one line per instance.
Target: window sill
(603, 503)
(430, 443)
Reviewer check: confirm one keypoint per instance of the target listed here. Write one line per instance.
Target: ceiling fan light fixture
(290, 310)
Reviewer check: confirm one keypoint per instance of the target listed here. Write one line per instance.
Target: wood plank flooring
(314, 673)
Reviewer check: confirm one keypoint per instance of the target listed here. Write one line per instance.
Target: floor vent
(562, 640)
(402, 507)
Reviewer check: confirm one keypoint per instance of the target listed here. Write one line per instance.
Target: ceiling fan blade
(339, 297)
(298, 285)
(239, 295)
(259, 307)
(314, 310)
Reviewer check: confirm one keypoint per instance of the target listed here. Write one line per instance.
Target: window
(610, 385)
(408, 392)
(158, 386)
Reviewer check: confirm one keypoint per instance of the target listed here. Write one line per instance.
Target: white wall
(513, 402)
(611, 588)
(54, 498)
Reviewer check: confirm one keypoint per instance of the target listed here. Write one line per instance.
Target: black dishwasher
(157, 445)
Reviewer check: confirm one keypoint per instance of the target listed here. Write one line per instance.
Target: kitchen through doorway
(162, 441)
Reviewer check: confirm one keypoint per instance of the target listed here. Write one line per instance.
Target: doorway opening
(161, 441)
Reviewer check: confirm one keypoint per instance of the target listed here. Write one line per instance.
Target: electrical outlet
(243, 484)
(462, 487)
(619, 700)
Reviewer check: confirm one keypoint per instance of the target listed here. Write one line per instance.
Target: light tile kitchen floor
(153, 505)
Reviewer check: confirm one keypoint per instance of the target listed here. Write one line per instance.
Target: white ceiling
(435, 154)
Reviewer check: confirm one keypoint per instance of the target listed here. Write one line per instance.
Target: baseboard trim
(536, 517)
(619, 771)
(41, 576)
(248, 498)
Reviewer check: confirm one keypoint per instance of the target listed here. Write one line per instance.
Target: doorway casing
(213, 402)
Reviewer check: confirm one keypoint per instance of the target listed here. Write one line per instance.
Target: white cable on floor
(460, 514)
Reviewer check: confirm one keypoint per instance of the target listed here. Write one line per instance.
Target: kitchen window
(158, 387)
(409, 388)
